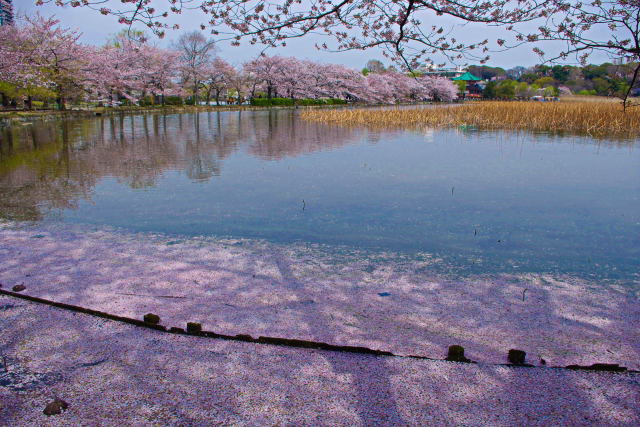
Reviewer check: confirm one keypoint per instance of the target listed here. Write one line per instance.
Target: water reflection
(484, 201)
(51, 166)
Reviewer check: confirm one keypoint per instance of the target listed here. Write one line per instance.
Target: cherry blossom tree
(439, 88)
(43, 55)
(297, 79)
(220, 76)
(54, 58)
(197, 52)
(293, 78)
(116, 71)
(14, 56)
(43, 58)
(241, 84)
(334, 81)
(264, 72)
(13, 62)
(410, 31)
(161, 70)
(378, 89)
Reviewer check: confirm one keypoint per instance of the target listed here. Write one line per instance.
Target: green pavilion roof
(468, 77)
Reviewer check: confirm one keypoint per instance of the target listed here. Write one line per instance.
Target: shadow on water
(375, 402)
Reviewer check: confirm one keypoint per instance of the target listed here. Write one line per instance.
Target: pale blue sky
(96, 29)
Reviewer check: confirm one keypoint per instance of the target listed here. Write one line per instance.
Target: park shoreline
(17, 117)
(255, 288)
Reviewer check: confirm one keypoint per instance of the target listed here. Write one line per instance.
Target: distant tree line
(44, 65)
(604, 80)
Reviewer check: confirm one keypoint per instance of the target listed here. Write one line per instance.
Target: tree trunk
(195, 94)
(29, 103)
(217, 97)
(61, 103)
(628, 92)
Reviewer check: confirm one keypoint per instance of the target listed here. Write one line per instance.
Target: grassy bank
(600, 119)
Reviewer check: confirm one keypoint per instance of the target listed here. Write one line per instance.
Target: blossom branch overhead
(410, 31)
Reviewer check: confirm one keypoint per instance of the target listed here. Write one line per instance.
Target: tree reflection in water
(48, 167)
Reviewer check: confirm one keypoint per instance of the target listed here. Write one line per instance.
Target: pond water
(484, 202)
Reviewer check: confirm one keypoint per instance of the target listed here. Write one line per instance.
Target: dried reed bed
(598, 119)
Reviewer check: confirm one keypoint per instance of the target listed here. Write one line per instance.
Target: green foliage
(261, 102)
(490, 90)
(605, 79)
(544, 81)
(8, 89)
(462, 85)
(146, 101)
(506, 89)
(18, 93)
(601, 86)
(306, 102)
(173, 100)
(561, 73)
(365, 71)
(591, 72)
(528, 78)
(266, 102)
(281, 101)
(620, 87)
(522, 90)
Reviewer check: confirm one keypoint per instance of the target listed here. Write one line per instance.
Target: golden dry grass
(598, 119)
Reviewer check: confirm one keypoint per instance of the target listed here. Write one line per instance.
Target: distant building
(6, 12)
(474, 85)
(430, 69)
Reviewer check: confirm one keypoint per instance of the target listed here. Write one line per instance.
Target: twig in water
(452, 190)
(475, 231)
(151, 296)
(523, 292)
(303, 205)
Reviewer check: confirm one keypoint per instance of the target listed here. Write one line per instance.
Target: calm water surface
(484, 202)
